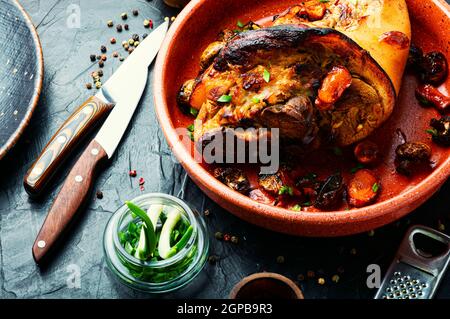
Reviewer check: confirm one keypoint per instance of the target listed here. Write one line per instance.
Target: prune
(331, 193)
(410, 156)
(434, 68)
(234, 178)
(441, 134)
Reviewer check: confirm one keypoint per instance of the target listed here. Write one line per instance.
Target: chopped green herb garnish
(432, 132)
(297, 208)
(256, 100)
(356, 168)
(375, 187)
(286, 190)
(307, 204)
(240, 24)
(191, 135)
(193, 111)
(324, 1)
(266, 76)
(190, 128)
(225, 99)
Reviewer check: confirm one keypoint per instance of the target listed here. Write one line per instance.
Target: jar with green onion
(155, 243)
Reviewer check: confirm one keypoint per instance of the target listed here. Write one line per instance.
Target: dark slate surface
(67, 67)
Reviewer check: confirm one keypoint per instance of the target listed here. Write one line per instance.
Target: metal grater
(413, 274)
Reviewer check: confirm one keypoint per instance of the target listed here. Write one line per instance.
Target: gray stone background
(67, 68)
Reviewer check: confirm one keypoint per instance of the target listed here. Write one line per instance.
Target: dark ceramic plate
(21, 72)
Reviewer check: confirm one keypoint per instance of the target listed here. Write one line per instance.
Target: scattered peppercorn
(88, 86)
(119, 28)
(98, 85)
(126, 27)
(235, 240)
(301, 277)
(130, 50)
(441, 226)
(310, 274)
(99, 194)
(115, 54)
(126, 46)
(113, 40)
(103, 49)
(371, 233)
(136, 43)
(101, 63)
(172, 19)
(335, 278)
(166, 19)
(141, 181)
(98, 57)
(206, 212)
(124, 16)
(131, 42)
(226, 237)
(321, 281)
(121, 59)
(280, 260)
(146, 23)
(135, 12)
(104, 57)
(92, 57)
(135, 37)
(212, 259)
(132, 173)
(100, 73)
(218, 235)
(144, 35)
(353, 251)
(110, 23)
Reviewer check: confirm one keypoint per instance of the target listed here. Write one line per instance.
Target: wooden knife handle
(73, 195)
(74, 129)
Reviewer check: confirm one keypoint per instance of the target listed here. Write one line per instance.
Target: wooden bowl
(196, 26)
(266, 285)
(21, 72)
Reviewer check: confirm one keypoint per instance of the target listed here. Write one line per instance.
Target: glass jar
(156, 276)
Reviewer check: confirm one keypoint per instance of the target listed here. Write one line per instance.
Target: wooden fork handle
(61, 145)
(74, 193)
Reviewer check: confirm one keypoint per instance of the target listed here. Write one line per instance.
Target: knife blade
(124, 89)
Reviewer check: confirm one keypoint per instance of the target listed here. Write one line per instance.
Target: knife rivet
(41, 244)
(61, 139)
(94, 151)
(78, 179)
(37, 171)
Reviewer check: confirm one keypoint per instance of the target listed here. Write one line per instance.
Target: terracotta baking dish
(200, 22)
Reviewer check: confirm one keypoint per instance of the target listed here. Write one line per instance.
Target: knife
(61, 145)
(124, 89)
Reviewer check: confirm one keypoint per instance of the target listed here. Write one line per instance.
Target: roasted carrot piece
(366, 152)
(315, 10)
(333, 86)
(198, 96)
(363, 188)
